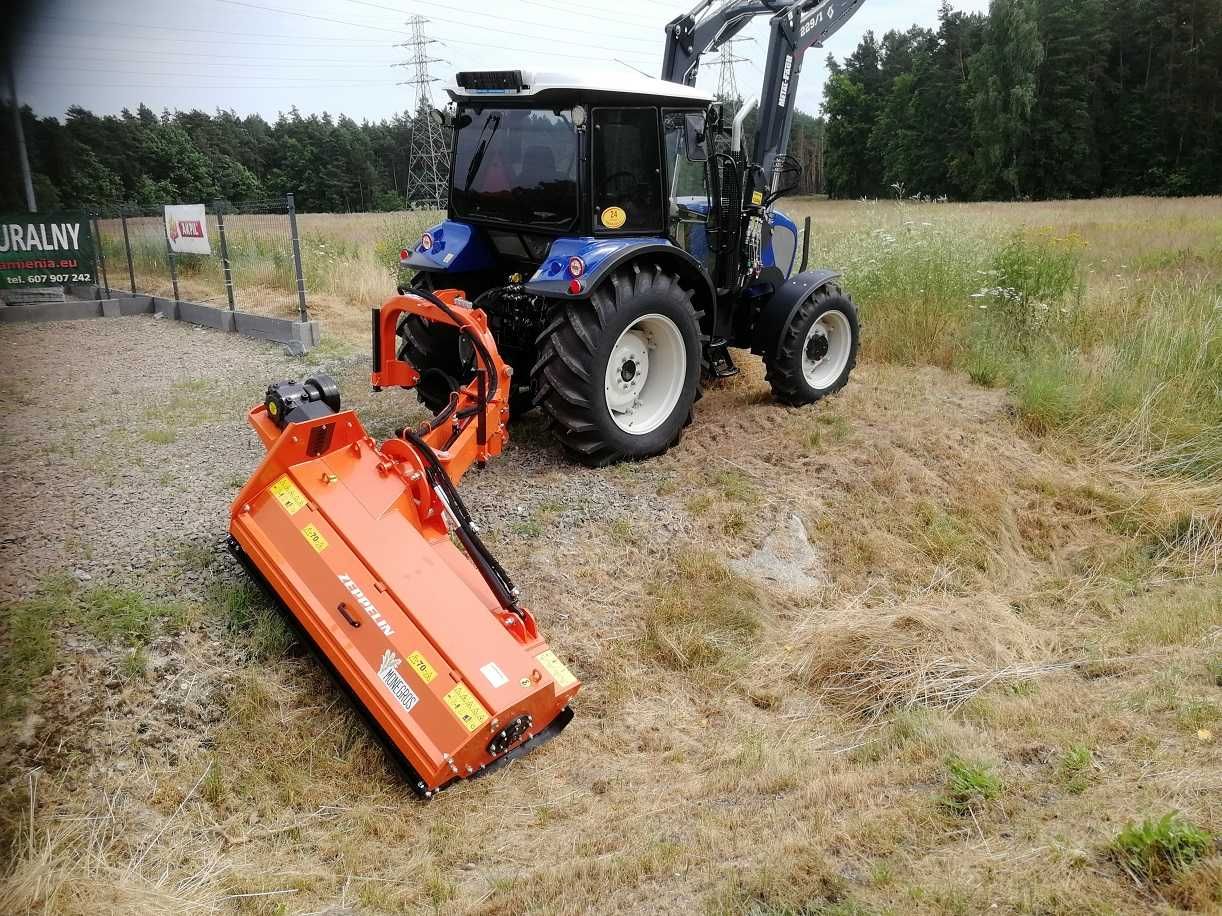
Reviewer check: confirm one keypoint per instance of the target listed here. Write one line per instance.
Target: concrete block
(50, 311)
(206, 315)
(298, 337)
(165, 308)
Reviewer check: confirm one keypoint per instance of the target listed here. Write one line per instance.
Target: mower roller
(370, 548)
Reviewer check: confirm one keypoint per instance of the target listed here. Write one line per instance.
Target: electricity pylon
(429, 152)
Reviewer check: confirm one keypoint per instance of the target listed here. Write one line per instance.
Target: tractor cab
(538, 156)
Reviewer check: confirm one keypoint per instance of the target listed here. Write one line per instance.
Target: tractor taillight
(574, 287)
(404, 254)
(577, 267)
(426, 241)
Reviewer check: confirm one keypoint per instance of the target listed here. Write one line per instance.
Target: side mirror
(695, 138)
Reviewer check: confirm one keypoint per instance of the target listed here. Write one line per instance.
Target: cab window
(683, 130)
(626, 185)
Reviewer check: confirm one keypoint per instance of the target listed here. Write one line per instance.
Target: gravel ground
(125, 441)
(122, 443)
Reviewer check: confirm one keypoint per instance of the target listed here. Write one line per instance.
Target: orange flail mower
(371, 549)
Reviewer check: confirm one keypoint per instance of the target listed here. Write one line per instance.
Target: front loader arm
(796, 25)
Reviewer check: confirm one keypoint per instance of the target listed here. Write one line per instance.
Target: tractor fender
(779, 310)
(602, 257)
(455, 247)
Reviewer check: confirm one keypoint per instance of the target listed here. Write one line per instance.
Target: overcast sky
(338, 55)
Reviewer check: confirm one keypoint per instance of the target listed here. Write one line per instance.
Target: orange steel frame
(377, 577)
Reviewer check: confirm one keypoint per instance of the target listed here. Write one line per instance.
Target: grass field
(998, 690)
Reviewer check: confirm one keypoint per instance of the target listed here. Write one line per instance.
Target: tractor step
(720, 365)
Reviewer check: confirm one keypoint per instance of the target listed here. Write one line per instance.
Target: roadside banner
(187, 229)
(45, 249)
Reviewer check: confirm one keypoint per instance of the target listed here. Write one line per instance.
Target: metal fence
(255, 265)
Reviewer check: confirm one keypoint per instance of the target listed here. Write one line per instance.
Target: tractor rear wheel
(618, 373)
(817, 350)
(433, 350)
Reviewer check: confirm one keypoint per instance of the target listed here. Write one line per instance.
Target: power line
(300, 15)
(568, 30)
(162, 85)
(256, 61)
(166, 28)
(249, 76)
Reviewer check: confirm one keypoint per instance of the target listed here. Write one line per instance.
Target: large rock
(786, 558)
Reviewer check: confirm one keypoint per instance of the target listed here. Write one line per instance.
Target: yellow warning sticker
(314, 536)
(557, 669)
(469, 710)
(614, 217)
(421, 666)
(757, 198)
(288, 495)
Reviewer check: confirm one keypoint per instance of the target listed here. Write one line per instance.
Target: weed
(1155, 850)
(249, 614)
(160, 436)
(30, 650)
(969, 786)
(1074, 768)
(135, 664)
(701, 613)
(110, 613)
(1214, 667)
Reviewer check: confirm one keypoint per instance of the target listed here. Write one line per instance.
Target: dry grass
(1018, 654)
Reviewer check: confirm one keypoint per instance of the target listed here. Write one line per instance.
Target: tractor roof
(547, 86)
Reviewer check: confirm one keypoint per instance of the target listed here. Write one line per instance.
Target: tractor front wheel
(817, 350)
(618, 373)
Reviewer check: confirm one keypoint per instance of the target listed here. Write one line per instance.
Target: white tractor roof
(536, 82)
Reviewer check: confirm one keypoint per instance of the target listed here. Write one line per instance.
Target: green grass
(1134, 366)
(1156, 850)
(30, 629)
(969, 786)
(249, 614)
(1074, 768)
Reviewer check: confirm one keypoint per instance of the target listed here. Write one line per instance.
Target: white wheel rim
(825, 352)
(645, 374)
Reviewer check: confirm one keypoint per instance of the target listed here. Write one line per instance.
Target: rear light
(577, 267)
(574, 287)
(426, 241)
(404, 254)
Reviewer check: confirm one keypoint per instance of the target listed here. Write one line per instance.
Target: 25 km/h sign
(45, 249)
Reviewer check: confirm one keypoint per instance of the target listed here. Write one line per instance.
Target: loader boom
(796, 25)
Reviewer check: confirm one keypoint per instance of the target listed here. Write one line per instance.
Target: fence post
(127, 246)
(100, 256)
(220, 229)
(301, 294)
(173, 269)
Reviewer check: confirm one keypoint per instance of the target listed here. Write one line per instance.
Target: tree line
(145, 159)
(1035, 99)
(330, 164)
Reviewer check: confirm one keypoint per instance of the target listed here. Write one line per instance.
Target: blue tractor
(621, 237)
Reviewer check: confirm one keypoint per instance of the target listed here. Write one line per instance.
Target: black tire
(783, 360)
(433, 350)
(574, 350)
